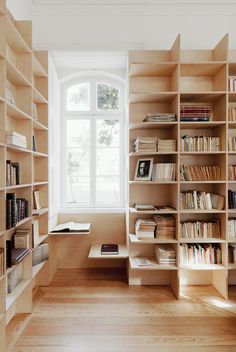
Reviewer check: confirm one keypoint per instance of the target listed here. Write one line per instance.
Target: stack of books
(143, 207)
(200, 254)
(145, 228)
(201, 200)
(17, 254)
(16, 209)
(231, 199)
(14, 277)
(200, 229)
(232, 84)
(232, 172)
(232, 144)
(165, 255)
(232, 254)
(16, 139)
(200, 144)
(232, 114)
(160, 117)
(40, 254)
(231, 228)
(2, 262)
(200, 173)
(165, 226)
(195, 112)
(21, 238)
(145, 144)
(166, 145)
(164, 172)
(12, 173)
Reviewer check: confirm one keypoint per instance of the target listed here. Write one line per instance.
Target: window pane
(78, 162)
(107, 97)
(78, 134)
(108, 133)
(108, 189)
(108, 161)
(78, 97)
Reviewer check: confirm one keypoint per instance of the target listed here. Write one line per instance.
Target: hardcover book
(109, 248)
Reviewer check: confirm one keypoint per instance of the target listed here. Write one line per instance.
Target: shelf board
(135, 239)
(201, 68)
(18, 186)
(151, 153)
(38, 69)
(95, 252)
(201, 124)
(16, 77)
(136, 212)
(152, 69)
(14, 39)
(39, 212)
(231, 240)
(18, 149)
(202, 153)
(71, 233)
(40, 183)
(202, 267)
(202, 211)
(200, 96)
(38, 98)
(151, 125)
(12, 297)
(232, 210)
(15, 112)
(37, 268)
(153, 182)
(157, 97)
(39, 126)
(40, 155)
(232, 97)
(152, 266)
(232, 152)
(231, 266)
(201, 240)
(189, 182)
(22, 222)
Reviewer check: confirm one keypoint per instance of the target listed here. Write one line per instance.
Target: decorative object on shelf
(109, 248)
(143, 170)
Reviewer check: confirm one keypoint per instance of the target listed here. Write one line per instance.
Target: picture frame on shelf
(10, 96)
(143, 171)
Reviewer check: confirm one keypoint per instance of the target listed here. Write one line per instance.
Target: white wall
(20, 9)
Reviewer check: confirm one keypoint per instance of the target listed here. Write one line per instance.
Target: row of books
(232, 114)
(12, 173)
(232, 84)
(195, 112)
(201, 200)
(200, 144)
(232, 172)
(164, 172)
(154, 144)
(160, 117)
(200, 229)
(16, 209)
(16, 139)
(232, 144)
(160, 226)
(200, 254)
(165, 255)
(232, 253)
(232, 228)
(200, 173)
(231, 199)
(2, 262)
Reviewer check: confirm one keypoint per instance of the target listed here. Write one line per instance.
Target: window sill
(91, 210)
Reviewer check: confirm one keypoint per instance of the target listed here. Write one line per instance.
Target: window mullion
(93, 161)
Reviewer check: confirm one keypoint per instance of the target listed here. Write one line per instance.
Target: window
(93, 135)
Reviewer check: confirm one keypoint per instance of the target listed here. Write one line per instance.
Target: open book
(72, 227)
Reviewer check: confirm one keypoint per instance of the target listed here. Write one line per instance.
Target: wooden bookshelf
(155, 79)
(24, 80)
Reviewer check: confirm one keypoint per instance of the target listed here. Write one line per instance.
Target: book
(34, 147)
(142, 261)
(2, 262)
(108, 248)
(35, 233)
(21, 239)
(143, 207)
(72, 227)
(18, 254)
(37, 200)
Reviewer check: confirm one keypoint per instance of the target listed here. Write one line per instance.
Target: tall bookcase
(23, 73)
(159, 82)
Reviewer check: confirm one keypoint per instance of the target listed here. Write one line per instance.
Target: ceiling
(130, 2)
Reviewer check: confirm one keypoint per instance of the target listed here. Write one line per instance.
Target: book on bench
(109, 249)
(72, 227)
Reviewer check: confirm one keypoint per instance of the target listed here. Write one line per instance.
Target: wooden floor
(96, 311)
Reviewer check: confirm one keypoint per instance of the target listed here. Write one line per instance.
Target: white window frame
(93, 115)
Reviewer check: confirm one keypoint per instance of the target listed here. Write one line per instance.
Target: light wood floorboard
(90, 310)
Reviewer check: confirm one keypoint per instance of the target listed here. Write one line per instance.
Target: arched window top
(108, 97)
(78, 97)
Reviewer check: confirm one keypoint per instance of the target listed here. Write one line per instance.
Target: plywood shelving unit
(159, 81)
(25, 73)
